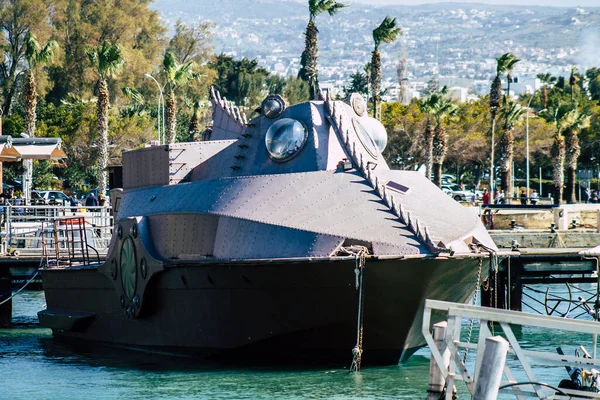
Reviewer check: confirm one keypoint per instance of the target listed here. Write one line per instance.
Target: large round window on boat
(128, 268)
(285, 138)
(365, 138)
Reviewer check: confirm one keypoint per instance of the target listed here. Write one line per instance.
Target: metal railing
(453, 368)
(26, 229)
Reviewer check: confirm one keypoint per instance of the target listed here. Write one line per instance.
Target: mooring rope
(12, 293)
(359, 270)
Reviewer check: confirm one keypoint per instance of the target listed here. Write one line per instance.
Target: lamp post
(527, 147)
(160, 110)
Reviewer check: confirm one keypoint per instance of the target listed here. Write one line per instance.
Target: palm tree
(546, 80)
(428, 107)
(308, 61)
(511, 112)
(444, 110)
(504, 62)
(107, 59)
(177, 75)
(36, 56)
(386, 32)
(194, 128)
(511, 61)
(576, 121)
(573, 79)
(558, 116)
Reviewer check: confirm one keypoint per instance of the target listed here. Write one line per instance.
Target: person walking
(91, 201)
(523, 197)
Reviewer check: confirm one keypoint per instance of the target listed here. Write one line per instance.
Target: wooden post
(492, 367)
(436, 379)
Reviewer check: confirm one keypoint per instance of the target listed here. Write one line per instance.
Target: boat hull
(305, 311)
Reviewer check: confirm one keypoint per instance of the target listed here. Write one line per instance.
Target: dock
(33, 234)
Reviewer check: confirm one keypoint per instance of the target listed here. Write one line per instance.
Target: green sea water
(34, 366)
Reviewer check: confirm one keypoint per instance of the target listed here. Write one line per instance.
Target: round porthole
(273, 106)
(365, 138)
(128, 268)
(285, 138)
(358, 104)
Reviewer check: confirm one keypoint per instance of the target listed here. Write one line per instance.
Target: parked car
(47, 195)
(458, 194)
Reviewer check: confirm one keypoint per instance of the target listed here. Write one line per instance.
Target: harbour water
(34, 366)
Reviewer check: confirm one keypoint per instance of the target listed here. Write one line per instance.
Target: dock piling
(436, 379)
(492, 367)
(6, 308)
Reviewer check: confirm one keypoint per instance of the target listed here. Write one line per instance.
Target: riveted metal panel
(182, 236)
(337, 204)
(238, 238)
(146, 167)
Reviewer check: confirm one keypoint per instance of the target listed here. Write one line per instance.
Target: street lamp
(160, 110)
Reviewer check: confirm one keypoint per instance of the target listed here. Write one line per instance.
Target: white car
(458, 194)
(47, 195)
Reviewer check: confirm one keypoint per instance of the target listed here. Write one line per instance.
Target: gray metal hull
(266, 312)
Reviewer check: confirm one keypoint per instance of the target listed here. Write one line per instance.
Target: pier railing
(449, 365)
(26, 229)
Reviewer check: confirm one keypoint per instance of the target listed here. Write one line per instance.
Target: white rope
(20, 289)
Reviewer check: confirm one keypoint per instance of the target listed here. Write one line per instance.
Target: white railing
(455, 368)
(24, 227)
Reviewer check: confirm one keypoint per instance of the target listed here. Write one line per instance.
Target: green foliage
(107, 59)
(386, 32)
(316, 7)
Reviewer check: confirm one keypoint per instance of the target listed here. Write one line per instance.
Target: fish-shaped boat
(286, 237)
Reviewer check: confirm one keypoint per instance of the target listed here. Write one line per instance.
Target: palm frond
(31, 48)
(107, 58)
(506, 62)
(47, 52)
(316, 7)
(133, 95)
(386, 32)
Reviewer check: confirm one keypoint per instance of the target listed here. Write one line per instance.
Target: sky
(554, 3)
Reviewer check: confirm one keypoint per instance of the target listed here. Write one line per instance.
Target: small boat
(282, 238)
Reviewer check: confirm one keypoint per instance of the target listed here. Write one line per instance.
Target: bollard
(561, 218)
(492, 368)
(436, 379)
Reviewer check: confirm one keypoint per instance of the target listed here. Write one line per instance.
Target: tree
(558, 116)
(359, 83)
(428, 108)
(79, 23)
(308, 60)
(503, 63)
(512, 113)
(573, 80)
(575, 121)
(445, 109)
(177, 75)
(192, 43)
(386, 32)
(546, 80)
(17, 19)
(36, 56)
(593, 77)
(511, 61)
(107, 59)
